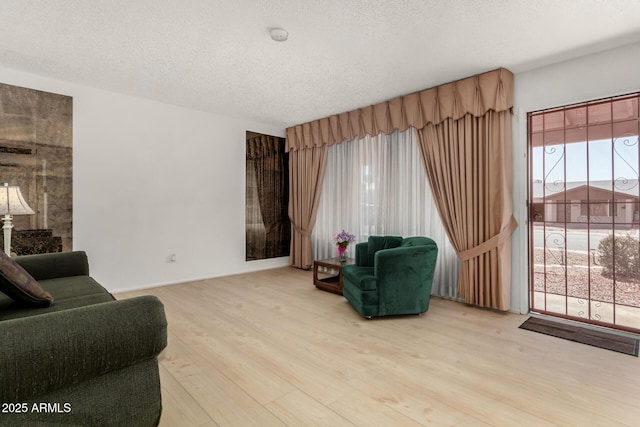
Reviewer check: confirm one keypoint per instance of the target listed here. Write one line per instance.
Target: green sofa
(391, 276)
(87, 359)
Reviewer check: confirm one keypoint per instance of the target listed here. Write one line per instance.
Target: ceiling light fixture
(279, 34)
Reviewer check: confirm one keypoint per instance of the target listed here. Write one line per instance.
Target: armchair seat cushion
(362, 277)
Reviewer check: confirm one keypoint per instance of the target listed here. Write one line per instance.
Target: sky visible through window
(607, 161)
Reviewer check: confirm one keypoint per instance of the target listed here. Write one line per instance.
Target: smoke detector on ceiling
(279, 34)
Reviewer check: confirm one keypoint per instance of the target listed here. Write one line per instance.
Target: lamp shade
(12, 202)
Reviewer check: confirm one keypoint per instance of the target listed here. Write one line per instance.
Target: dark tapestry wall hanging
(268, 229)
(36, 155)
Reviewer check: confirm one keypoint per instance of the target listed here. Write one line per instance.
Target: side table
(332, 283)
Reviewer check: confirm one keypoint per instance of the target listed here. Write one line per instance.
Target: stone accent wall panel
(36, 141)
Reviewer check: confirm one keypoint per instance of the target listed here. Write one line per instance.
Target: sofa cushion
(69, 292)
(376, 243)
(16, 283)
(64, 288)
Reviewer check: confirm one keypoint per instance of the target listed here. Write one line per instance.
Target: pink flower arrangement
(343, 239)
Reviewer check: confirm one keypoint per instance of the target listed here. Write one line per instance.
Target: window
(378, 186)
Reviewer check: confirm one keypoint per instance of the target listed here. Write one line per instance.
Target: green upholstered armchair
(391, 276)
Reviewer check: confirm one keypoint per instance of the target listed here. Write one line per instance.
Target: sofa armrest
(45, 352)
(55, 265)
(362, 254)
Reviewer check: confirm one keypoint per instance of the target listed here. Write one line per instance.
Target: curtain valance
(474, 95)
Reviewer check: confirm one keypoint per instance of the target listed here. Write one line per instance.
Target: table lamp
(11, 203)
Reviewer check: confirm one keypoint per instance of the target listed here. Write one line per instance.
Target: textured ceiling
(217, 56)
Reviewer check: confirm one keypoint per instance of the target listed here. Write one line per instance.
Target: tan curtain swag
(475, 95)
(464, 129)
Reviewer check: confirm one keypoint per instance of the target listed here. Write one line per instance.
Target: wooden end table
(332, 283)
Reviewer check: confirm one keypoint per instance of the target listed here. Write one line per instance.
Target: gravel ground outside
(571, 277)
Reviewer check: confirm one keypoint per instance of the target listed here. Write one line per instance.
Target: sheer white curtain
(377, 186)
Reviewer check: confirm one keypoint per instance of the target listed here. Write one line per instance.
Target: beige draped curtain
(464, 130)
(468, 164)
(306, 174)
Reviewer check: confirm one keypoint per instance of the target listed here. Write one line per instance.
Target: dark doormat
(583, 335)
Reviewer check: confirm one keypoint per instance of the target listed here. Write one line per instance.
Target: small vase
(342, 254)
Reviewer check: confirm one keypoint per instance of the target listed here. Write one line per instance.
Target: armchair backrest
(366, 251)
(376, 243)
(416, 241)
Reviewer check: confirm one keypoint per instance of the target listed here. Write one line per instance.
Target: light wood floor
(268, 349)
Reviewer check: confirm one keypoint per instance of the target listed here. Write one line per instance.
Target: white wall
(609, 73)
(150, 180)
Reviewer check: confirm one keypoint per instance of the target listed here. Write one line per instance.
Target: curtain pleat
(468, 163)
(306, 174)
(254, 234)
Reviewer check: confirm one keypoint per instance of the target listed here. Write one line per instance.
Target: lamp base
(8, 225)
